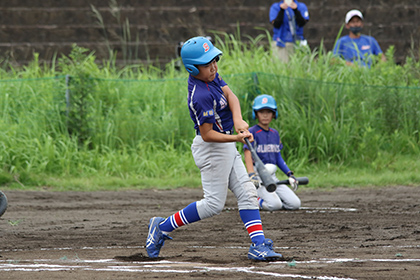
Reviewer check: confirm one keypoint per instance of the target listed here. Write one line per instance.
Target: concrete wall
(156, 26)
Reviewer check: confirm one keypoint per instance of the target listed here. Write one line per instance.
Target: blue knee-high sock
(253, 225)
(185, 216)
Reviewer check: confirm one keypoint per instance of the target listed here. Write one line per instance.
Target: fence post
(68, 97)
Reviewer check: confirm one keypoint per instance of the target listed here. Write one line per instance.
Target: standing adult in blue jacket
(288, 18)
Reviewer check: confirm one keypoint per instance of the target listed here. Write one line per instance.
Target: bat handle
(247, 141)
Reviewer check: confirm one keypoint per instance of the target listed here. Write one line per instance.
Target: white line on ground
(149, 267)
(325, 209)
(307, 209)
(169, 266)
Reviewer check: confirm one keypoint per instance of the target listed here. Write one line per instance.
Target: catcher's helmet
(198, 51)
(264, 102)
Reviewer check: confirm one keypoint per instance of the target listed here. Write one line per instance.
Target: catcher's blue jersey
(268, 146)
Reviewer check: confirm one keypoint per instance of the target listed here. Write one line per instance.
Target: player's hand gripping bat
(263, 173)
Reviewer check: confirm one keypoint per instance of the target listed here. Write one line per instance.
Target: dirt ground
(369, 233)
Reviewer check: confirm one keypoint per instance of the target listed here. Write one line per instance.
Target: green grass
(128, 128)
(388, 171)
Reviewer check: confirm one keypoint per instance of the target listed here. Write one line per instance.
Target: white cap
(353, 13)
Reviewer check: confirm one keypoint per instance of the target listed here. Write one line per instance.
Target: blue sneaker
(155, 238)
(263, 252)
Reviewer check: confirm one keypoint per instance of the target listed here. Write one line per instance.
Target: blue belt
(229, 132)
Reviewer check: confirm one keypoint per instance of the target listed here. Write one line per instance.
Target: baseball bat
(301, 181)
(263, 173)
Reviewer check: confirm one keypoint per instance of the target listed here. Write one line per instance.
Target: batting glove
(293, 182)
(254, 179)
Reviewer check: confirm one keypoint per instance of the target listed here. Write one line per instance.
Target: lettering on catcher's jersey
(268, 148)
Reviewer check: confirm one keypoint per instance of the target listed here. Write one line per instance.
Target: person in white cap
(355, 47)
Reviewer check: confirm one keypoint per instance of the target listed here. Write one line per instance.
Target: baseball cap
(353, 13)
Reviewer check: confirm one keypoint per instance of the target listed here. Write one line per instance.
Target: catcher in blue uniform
(268, 148)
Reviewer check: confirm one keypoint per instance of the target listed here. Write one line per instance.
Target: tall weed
(132, 124)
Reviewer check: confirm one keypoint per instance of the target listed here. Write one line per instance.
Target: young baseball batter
(215, 111)
(268, 147)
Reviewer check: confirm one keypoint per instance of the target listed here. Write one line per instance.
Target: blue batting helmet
(198, 51)
(264, 102)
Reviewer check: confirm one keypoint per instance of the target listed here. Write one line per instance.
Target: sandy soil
(369, 233)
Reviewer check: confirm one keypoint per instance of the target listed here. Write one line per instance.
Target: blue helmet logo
(264, 102)
(198, 51)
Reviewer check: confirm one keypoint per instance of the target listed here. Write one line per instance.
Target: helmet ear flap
(198, 51)
(253, 115)
(192, 69)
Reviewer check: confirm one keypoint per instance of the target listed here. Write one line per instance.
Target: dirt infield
(369, 233)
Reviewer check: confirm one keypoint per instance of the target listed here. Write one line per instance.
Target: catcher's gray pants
(282, 198)
(221, 168)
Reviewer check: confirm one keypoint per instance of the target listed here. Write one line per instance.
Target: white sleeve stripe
(192, 106)
(217, 117)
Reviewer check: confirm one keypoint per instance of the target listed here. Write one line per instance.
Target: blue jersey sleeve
(274, 11)
(303, 9)
(376, 49)
(204, 110)
(282, 164)
(219, 81)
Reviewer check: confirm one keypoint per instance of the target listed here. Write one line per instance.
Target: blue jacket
(357, 50)
(289, 31)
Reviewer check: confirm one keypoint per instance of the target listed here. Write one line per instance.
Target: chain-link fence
(317, 120)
